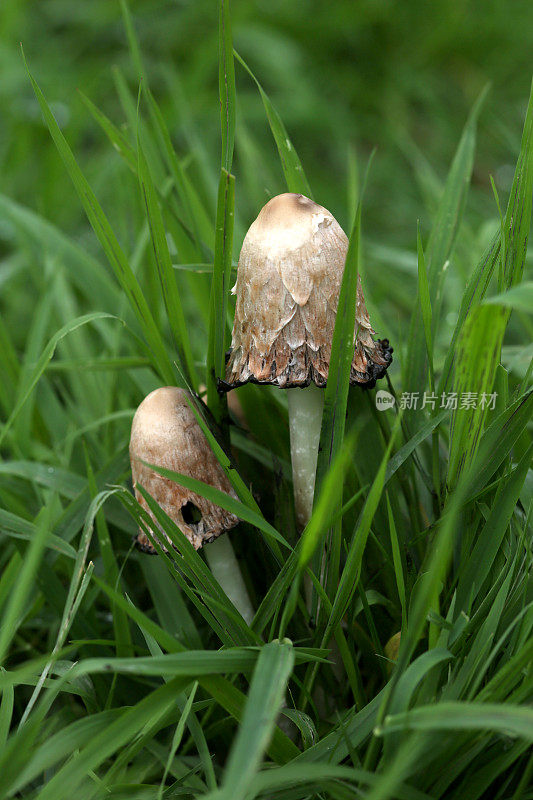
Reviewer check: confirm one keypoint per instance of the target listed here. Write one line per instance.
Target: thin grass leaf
(474, 293)
(498, 439)
(440, 245)
(336, 392)
(518, 217)
(6, 714)
(491, 537)
(424, 300)
(190, 201)
(194, 726)
(176, 739)
(114, 134)
(478, 355)
(133, 45)
(165, 271)
(109, 242)
(170, 665)
(16, 606)
(320, 777)
(512, 250)
(116, 735)
(62, 744)
(290, 162)
(35, 374)
(352, 567)
(73, 603)
(224, 500)
(62, 481)
(507, 719)
(17, 527)
(226, 84)
(147, 625)
(265, 697)
(398, 563)
(86, 272)
(220, 287)
(401, 456)
(325, 509)
(100, 365)
(519, 298)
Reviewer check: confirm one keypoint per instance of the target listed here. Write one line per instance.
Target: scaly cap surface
(288, 283)
(165, 432)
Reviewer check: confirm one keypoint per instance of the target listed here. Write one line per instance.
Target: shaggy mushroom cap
(165, 432)
(288, 284)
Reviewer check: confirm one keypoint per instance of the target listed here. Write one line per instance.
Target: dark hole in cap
(191, 513)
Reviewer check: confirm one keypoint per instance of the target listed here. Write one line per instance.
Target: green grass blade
(188, 196)
(166, 272)
(475, 291)
(114, 134)
(187, 664)
(318, 779)
(133, 44)
(87, 273)
(176, 739)
(224, 500)
(336, 392)
(518, 217)
(516, 228)
(66, 781)
(226, 84)
(398, 563)
(62, 744)
(491, 537)
(451, 207)
(216, 347)
(19, 596)
(401, 456)
(519, 298)
(220, 288)
(342, 348)
(440, 245)
(265, 697)
(506, 719)
(498, 439)
(124, 644)
(352, 567)
(325, 507)
(6, 714)
(109, 243)
(424, 300)
(478, 355)
(47, 355)
(290, 162)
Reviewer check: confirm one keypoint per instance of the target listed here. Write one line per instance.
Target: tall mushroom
(288, 282)
(166, 433)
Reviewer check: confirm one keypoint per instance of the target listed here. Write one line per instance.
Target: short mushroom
(166, 433)
(288, 282)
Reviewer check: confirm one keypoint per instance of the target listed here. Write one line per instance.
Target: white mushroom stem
(225, 567)
(305, 420)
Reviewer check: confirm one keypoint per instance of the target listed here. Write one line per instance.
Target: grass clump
(129, 676)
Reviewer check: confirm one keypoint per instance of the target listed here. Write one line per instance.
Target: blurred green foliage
(375, 73)
(74, 323)
(345, 77)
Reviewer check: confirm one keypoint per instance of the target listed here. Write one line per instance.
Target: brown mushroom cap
(288, 283)
(165, 432)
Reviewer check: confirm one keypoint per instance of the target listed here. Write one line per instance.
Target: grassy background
(115, 683)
